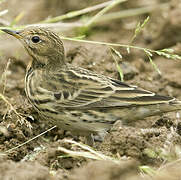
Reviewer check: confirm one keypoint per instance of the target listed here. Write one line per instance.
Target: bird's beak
(16, 34)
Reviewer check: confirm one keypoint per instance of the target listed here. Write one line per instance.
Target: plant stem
(103, 11)
(130, 12)
(77, 13)
(106, 43)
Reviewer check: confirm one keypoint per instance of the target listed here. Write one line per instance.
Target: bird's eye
(35, 39)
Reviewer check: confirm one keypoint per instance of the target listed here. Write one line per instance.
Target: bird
(76, 99)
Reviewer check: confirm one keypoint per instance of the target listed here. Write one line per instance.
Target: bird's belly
(99, 120)
(82, 123)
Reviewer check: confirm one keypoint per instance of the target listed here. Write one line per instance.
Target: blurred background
(125, 23)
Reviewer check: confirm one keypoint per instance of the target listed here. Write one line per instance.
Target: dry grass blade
(9, 104)
(90, 153)
(79, 154)
(22, 120)
(77, 13)
(100, 13)
(10, 150)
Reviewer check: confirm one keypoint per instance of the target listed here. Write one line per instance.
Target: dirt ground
(153, 142)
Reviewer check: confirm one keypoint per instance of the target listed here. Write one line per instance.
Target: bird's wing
(84, 89)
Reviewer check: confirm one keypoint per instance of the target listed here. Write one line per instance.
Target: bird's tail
(141, 112)
(175, 102)
(174, 105)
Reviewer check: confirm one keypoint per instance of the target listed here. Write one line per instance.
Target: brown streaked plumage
(77, 99)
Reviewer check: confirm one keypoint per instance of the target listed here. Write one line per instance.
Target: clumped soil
(153, 141)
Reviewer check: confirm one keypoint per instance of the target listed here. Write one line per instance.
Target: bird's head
(43, 45)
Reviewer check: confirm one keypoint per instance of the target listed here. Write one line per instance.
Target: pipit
(77, 99)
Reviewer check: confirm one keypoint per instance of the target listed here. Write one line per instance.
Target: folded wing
(84, 89)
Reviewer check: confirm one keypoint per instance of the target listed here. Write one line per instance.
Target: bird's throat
(34, 64)
(49, 65)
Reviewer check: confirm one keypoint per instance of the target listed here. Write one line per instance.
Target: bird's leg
(100, 136)
(90, 140)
